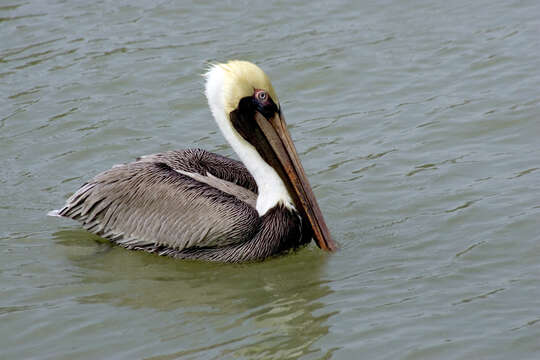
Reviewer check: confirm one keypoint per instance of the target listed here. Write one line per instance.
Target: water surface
(417, 123)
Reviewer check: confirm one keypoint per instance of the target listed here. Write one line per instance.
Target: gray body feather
(187, 204)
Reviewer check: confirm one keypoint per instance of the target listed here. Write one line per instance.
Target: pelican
(194, 204)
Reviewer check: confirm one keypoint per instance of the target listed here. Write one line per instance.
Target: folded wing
(169, 202)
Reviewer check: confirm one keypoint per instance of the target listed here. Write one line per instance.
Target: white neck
(271, 188)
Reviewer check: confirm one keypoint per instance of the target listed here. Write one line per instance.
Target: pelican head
(247, 111)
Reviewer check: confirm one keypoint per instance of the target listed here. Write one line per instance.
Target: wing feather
(169, 202)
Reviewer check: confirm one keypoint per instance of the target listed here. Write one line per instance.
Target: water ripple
(480, 297)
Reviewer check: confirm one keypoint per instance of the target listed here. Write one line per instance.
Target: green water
(417, 123)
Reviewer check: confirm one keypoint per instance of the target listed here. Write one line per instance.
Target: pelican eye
(262, 96)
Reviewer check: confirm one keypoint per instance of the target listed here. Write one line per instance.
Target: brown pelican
(194, 204)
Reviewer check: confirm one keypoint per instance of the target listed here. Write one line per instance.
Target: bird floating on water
(194, 204)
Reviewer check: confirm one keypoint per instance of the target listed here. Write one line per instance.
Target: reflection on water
(279, 299)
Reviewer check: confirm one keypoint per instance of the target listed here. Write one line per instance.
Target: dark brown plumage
(189, 204)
